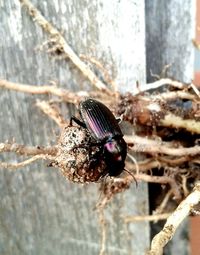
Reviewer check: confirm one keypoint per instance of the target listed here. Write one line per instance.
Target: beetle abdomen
(99, 120)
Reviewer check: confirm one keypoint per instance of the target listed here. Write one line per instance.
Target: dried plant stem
(14, 166)
(103, 230)
(165, 81)
(158, 162)
(156, 217)
(52, 112)
(170, 120)
(32, 89)
(196, 90)
(163, 180)
(144, 165)
(27, 150)
(173, 222)
(104, 71)
(174, 95)
(64, 47)
(174, 121)
(164, 202)
(145, 145)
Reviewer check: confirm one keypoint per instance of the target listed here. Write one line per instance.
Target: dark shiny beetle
(104, 128)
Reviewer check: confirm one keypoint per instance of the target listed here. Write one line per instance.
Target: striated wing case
(99, 120)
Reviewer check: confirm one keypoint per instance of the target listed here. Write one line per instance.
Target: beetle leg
(97, 154)
(77, 121)
(95, 158)
(119, 120)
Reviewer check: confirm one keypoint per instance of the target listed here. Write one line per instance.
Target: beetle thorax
(112, 147)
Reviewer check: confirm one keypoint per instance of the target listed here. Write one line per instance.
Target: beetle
(105, 130)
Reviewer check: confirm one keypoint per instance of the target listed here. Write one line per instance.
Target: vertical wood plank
(170, 28)
(41, 212)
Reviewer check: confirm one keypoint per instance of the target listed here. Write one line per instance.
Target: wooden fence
(41, 212)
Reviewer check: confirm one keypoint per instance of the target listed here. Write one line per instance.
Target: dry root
(174, 150)
(174, 220)
(166, 128)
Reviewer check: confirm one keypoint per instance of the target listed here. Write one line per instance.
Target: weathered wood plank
(170, 28)
(40, 212)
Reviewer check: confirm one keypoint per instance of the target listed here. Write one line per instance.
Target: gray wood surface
(170, 28)
(41, 212)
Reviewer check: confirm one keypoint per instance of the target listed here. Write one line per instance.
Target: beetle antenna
(135, 162)
(136, 166)
(132, 176)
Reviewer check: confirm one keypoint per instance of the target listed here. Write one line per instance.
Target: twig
(102, 221)
(173, 95)
(14, 166)
(163, 180)
(157, 111)
(32, 89)
(154, 179)
(145, 145)
(52, 112)
(103, 230)
(195, 89)
(175, 161)
(159, 83)
(64, 47)
(163, 72)
(184, 185)
(158, 162)
(174, 121)
(173, 222)
(165, 81)
(156, 217)
(164, 202)
(106, 75)
(27, 150)
(143, 166)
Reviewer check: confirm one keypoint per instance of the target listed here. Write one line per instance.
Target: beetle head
(115, 150)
